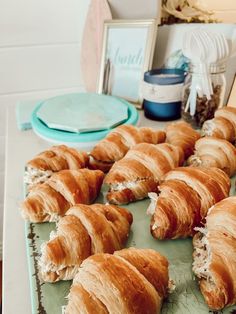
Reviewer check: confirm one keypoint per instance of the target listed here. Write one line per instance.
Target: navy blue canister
(162, 93)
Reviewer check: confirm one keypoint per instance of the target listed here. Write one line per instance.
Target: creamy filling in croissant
(171, 286)
(53, 217)
(195, 161)
(46, 266)
(126, 185)
(49, 217)
(101, 161)
(202, 255)
(35, 176)
(208, 128)
(152, 207)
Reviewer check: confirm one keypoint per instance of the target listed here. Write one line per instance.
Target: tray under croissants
(51, 298)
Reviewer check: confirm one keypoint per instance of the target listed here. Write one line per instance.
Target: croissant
(219, 127)
(183, 201)
(57, 158)
(83, 231)
(139, 172)
(214, 152)
(118, 142)
(48, 201)
(215, 255)
(223, 125)
(132, 281)
(183, 135)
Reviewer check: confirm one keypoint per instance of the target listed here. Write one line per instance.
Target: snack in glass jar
(197, 106)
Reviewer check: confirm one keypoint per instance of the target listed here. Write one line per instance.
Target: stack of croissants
(185, 173)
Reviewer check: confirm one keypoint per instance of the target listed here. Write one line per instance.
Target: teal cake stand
(84, 140)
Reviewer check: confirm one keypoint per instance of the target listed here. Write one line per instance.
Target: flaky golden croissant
(118, 142)
(223, 125)
(182, 135)
(57, 158)
(219, 127)
(48, 201)
(215, 255)
(132, 281)
(139, 172)
(83, 231)
(183, 200)
(214, 152)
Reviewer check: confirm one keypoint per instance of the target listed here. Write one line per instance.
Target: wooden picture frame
(128, 49)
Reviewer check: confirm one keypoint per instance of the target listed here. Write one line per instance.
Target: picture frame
(232, 94)
(128, 50)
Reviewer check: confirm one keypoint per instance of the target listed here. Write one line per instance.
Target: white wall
(39, 55)
(224, 10)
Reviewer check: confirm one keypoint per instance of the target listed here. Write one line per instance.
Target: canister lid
(164, 76)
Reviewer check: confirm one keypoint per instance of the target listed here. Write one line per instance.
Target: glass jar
(162, 93)
(203, 93)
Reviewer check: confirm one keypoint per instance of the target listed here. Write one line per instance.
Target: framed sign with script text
(128, 48)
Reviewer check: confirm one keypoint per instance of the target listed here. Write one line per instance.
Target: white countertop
(20, 147)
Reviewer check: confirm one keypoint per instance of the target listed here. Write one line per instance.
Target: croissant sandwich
(83, 231)
(48, 201)
(132, 281)
(183, 135)
(223, 125)
(215, 255)
(118, 142)
(139, 172)
(183, 201)
(57, 158)
(214, 152)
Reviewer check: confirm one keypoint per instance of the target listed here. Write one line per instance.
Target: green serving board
(186, 299)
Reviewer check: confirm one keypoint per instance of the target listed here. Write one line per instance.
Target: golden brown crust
(131, 194)
(213, 152)
(103, 236)
(185, 197)
(100, 165)
(59, 158)
(140, 170)
(228, 113)
(152, 136)
(223, 125)
(211, 184)
(219, 290)
(118, 285)
(65, 188)
(43, 203)
(77, 186)
(85, 230)
(82, 300)
(119, 141)
(152, 265)
(130, 281)
(70, 245)
(219, 127)
(183, 135)
(177, 211)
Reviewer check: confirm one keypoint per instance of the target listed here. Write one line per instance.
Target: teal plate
(186, 299)
(41, 129)
(82, 112)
